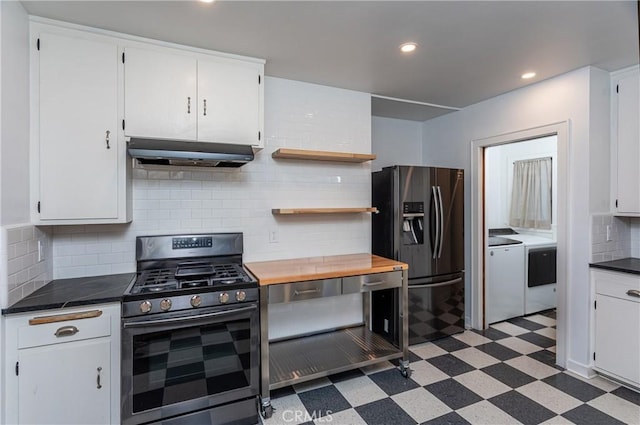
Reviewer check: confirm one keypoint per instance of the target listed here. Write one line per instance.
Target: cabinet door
(78, 146)
(617, 337)
(62, 383)
(628, 145)
(159, 95)
(504, 283)
(229, 102)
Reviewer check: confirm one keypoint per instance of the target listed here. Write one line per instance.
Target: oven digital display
(192, 242)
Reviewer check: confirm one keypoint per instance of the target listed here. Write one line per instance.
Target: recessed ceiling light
(207, 1)
(408, 47)
(528, 75)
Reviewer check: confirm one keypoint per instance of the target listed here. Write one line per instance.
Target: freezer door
(436, 309)
(449, 185)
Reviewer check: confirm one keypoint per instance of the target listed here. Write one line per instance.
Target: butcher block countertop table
(315, 268)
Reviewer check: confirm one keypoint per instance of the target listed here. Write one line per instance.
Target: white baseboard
(583, 370)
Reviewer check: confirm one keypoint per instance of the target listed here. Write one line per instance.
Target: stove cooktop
(201, 275)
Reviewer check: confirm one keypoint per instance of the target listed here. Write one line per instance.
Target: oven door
(188, 361)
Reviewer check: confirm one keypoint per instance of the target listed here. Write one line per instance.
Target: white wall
(499, 176)
(14, 114)
(168, 200)
(568, 97)
(14, 138)
(395, 142)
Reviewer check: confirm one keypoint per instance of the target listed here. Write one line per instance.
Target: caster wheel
(267, 411)
(405, 373)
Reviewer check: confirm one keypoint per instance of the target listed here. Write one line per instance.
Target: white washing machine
(540, 277)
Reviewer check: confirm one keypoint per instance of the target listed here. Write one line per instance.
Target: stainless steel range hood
(175, 152)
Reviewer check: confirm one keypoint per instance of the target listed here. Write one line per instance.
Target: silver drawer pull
(380, 282)
(306, 291)
(66, 331)
(633, 293)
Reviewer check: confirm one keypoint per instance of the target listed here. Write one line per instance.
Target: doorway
(480, 222)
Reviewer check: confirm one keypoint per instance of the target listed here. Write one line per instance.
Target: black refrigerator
(421, 222)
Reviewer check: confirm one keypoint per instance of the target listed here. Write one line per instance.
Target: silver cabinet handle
(380, 282)
(306, 291)
(66, 331)
(98, 384)
(205, 107)
(633, 293)
(188, 105)
(107, 139)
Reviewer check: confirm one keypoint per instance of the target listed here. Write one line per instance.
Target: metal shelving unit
(304, 358)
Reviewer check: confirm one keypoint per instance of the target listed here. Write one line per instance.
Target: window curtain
(531, 194)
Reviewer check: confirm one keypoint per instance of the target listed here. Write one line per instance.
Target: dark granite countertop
(74, 292)
(624, 265)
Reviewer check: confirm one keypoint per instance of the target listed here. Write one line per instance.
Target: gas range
(190, 333)
(178, 272)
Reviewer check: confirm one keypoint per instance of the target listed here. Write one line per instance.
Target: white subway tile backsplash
(24, 273)
(620, 232)
(634, 230)
(178, 200)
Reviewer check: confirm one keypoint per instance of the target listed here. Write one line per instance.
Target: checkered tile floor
(504, 375)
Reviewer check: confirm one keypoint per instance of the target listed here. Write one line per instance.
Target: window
(531, 194)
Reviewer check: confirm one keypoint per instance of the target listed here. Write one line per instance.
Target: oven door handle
(161, 322)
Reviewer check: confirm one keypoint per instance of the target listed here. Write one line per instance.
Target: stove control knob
(241, 295)
(223, 298)
(145, 306)
(196, 300)
(165, 304)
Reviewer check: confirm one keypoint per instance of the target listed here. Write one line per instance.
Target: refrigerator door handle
(435, 285)
(441, 223)
(437, 235)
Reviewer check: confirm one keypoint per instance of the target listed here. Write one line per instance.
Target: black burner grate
(157, 277)
(187, 275)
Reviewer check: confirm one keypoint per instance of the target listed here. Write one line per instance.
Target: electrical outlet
(608, 233)
(40, 251)
(273, 236)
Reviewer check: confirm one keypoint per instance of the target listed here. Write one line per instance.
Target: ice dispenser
(413, 223)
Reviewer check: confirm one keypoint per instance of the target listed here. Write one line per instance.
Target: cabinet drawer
(300, 291)
(618, 285)
(371, 282)
(64, 327)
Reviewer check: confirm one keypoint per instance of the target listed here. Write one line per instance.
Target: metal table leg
(266, 410)
(404, 334)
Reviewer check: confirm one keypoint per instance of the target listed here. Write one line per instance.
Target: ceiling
(467, 51)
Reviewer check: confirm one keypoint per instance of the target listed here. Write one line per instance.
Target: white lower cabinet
(65, 383)
(64, 370)
(504, 283)
(617, 325)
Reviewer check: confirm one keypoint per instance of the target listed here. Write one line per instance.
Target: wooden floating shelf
(322, 155)
(289, 211)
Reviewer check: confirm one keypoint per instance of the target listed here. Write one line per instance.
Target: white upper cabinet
(208, 99)
(80, 159)
(229, 102)
(626, 173)
(159, 95)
